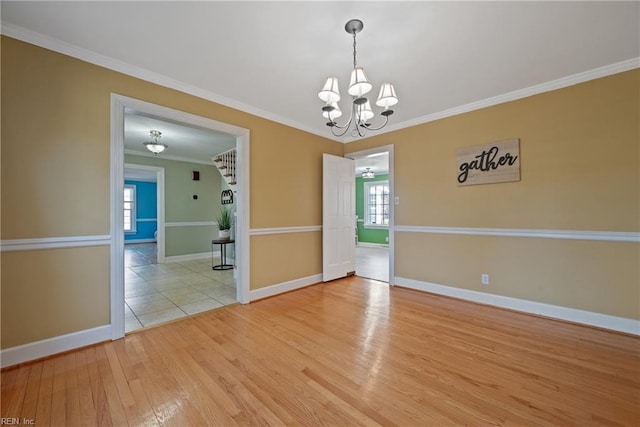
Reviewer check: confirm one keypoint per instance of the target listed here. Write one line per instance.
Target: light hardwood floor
(349, 352)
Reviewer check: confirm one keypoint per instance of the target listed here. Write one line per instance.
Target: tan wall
(55, 155)
(289, 260)
(47, 293)
(579, 149)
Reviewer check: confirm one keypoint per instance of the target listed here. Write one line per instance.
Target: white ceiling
(378, 163)
(271, 58)
(186, 143)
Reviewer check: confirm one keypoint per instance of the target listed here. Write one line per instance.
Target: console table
(223, 254)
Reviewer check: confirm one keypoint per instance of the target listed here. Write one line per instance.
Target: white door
(338, 217)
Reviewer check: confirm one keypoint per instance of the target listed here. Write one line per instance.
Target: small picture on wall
(227, 197)
(489, 163)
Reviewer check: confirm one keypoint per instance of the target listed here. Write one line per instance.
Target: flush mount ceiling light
(368, 174)
(154, 146)
(359, 86)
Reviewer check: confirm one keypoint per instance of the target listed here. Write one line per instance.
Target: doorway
(119, 106)
(375, 213)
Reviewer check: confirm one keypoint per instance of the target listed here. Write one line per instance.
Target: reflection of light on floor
(168, 410)
(375, 327)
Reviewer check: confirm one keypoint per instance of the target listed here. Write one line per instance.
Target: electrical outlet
(485, 279)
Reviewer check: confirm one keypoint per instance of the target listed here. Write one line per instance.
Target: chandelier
(154, 146)
(368, 174)
(359, 86)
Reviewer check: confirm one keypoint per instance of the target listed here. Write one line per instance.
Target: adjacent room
(173, 276)
(320, 213)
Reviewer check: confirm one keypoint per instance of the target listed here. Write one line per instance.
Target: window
(376, 204)
(130, 208)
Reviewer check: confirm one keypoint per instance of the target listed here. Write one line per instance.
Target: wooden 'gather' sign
(489, 163)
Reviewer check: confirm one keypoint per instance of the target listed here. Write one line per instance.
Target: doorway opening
(170, 269)
(374, 211)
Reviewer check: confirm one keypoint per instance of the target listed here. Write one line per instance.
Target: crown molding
(41, 40)
(549, 86)
(50, 43)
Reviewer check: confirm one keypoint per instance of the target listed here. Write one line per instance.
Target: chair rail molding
(611, 236)
(285, 230)
(14, 245)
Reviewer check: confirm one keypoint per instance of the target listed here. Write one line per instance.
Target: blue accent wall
(146, 209)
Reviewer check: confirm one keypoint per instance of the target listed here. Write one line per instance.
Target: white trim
(284, 230)
(167, 157)
(54, 243)
(620, 324)
(392, 191)
(189, 257)
(610, 236)
(596, 73)
(242, 254)
(36, 350)
(372, 245)
(159, 180)
(132, 241)
(280, 288)
(116, 188)
(50, 43)
(146, 219)
(191, 224)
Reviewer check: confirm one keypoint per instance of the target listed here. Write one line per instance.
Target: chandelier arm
(386, 120)
(345, 126)
(362, 130)
(339, 134)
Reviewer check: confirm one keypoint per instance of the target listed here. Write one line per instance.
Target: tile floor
(157, 293)
(372, 263)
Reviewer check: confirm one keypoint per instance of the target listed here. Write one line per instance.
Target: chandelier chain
(354, 49)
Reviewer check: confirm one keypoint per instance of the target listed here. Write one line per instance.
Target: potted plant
(224, 224)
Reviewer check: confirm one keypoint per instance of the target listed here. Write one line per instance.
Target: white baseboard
(130, 241)
(280, 288)
(36, 350)
(620, 324)
(190, 257)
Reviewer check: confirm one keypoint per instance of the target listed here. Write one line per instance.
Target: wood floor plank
(347, 352)
(32, 391)
(16, 387)
(45, 393)
(72, 392)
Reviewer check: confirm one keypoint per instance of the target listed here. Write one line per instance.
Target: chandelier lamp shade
(359, 87)
(368, 174)
(154, 146)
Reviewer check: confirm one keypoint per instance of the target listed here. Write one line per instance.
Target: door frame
(392, 195)
(159, 204)
(118, 105)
